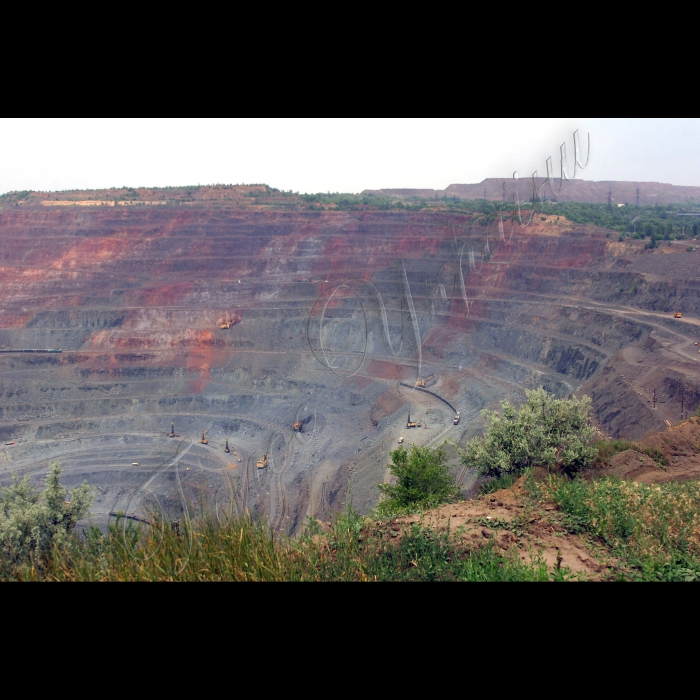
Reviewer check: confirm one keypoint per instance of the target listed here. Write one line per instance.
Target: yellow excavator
(262, 462)
(296, 427)
(225, 324)
(421, 381)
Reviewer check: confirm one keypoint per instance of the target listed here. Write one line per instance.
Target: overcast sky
(337, 155)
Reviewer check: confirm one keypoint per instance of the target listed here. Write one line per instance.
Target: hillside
(577, 190)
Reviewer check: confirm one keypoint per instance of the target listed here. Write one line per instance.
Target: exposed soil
(505, 518)
(678, 449)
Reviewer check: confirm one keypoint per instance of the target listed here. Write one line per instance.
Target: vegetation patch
(423, 480)
(544, 431)
(655, 529)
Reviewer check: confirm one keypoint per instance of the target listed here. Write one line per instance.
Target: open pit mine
(241, 356)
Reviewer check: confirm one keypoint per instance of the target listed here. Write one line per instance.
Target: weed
(655, 529)
(606, 450)
(504, 481)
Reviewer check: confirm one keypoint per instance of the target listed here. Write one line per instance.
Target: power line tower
(637, 196)
(653, 401)
(610, 199)
(484, 194)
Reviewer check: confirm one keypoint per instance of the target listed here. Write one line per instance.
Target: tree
(544, 431)
(31, 523)
(422, 479)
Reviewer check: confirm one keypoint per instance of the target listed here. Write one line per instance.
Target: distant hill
(571, 191)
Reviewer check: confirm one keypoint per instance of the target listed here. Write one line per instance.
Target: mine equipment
(204, 441)
(421, 381)
(410, 423)
(225, 324)
(455, 420)
(678, 315)
(172, 430)
(262, 462)
(400, 441)
(136, 464)
(297, 426)
(227, 449)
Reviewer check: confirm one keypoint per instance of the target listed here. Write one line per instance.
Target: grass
(504, 481)
(607, 450)
(242, 550)
(654, 530)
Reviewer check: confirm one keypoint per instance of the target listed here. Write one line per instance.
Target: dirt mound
(507, 519)
(661, 457)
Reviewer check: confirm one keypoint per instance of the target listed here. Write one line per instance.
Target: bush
(423, 480)
(31, 523)
(544, 431)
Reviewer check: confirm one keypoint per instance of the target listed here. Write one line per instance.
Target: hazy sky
(337, 155)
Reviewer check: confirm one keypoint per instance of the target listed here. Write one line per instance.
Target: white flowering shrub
(544, 431)
(32, 522)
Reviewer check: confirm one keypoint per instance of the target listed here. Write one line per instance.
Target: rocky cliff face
(327, 313)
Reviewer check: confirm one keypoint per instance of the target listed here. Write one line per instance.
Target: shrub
(31, 523)
(544, 431)
(422, 479)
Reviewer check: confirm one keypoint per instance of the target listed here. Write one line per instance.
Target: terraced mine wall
(326, 316)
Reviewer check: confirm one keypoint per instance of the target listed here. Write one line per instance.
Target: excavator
(262, 462)
(421, 381)
(225, 324)
(297, 426)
